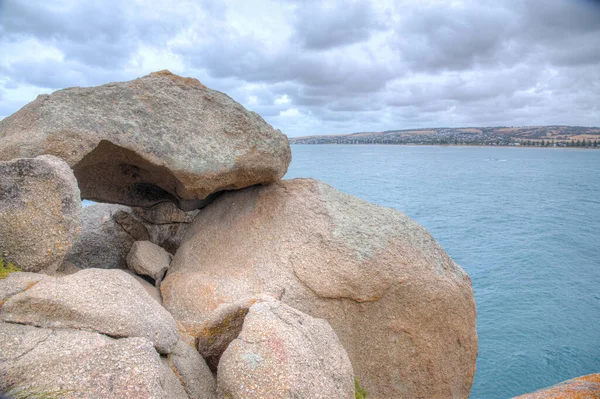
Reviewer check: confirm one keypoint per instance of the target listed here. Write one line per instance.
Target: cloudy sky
(322, 67)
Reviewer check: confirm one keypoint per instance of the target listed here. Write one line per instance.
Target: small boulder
(110, 302)
(78, 364)
(148, 259)
(159, 138)
(586, 387)
(284, 353)
(40, 212)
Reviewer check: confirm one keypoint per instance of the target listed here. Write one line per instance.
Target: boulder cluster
(201, 274)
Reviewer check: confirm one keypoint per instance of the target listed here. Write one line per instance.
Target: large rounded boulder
(402, 309)
(154, 139)
(40, 212)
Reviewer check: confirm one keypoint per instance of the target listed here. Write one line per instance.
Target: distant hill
(562, 136)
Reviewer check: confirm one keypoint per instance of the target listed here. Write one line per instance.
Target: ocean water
(524, 223)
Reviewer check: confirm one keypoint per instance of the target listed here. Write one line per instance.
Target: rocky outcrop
(159, 138)
(79, 364)
(110, 302)
(286, 289)
(403, 310)
(148, 259)
(40, 212)
(586, 387)
(284, 353)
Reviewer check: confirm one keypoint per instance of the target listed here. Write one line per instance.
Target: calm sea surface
(525, 225)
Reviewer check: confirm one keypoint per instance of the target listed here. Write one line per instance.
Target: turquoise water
(525, 225)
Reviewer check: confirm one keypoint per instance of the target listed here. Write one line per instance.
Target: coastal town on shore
(529, 136)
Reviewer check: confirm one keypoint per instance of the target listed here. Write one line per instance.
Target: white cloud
(290, 112)
(283, 99)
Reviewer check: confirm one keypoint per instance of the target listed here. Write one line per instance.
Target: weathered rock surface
(18, 282)
(154, 139)
(109, 232)
(168, 236)
(81, 364)
(221, 327)
(284, 353)
(66, 268)
(165, 213)
(150, 288)
(148, 259)
(110, 302)
(586, 387)
(40, 212)
(170, 382)
(403, 310)
(195, 376)
(166, 224)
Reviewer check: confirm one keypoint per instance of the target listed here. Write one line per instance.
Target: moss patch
(7, 267)
(359, 392)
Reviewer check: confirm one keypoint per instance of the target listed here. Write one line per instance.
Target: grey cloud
(89, 34)
(443, 37)
(449, 37)
(320, 79)
(98, 34)
(56, 74)
(324, 25)
(482, 85)
(245, 58)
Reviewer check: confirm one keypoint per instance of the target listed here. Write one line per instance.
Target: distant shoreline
(500, 136)
(454, 145)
